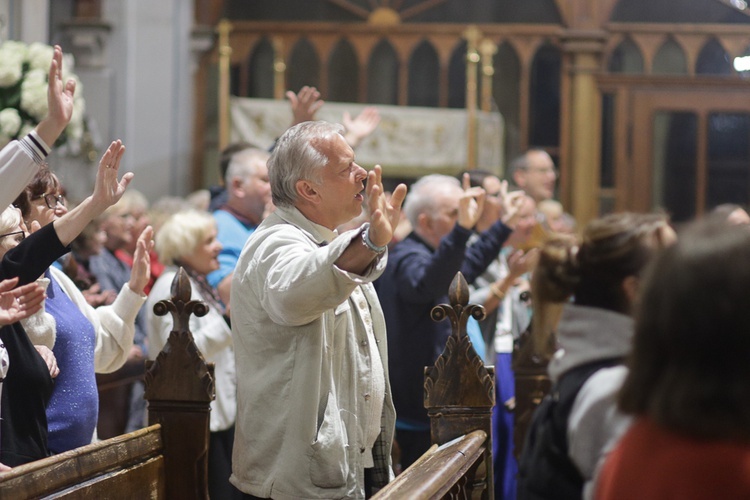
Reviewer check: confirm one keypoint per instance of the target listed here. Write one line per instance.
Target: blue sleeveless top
(74, 407)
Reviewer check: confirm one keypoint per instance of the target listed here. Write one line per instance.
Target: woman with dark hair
(28, 386)
(575, 423)
(86, 340)
(688, 384)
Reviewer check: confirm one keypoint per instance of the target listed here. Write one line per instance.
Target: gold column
(487, 49)
(279, 68)
(225, 55)
(472, 35)
(583, 152)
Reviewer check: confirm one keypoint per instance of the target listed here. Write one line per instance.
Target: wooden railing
(167, 459)
(459, 396)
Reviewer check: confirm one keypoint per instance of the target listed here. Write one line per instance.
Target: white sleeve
(594, 423)
(114, 324)
(19, 163)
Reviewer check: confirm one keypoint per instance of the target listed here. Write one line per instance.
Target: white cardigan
(114, 324)
(212, 336)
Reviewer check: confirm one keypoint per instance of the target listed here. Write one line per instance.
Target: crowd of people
(319, 284)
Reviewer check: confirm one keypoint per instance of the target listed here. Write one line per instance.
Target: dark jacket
(416, 279)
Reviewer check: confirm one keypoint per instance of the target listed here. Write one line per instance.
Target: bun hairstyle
(592, 269)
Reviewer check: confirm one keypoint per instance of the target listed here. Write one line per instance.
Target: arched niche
(457, 76)
(713, 60)
(343, 73)
(670, 59)
(382, 77)
(507, 96)
(303, 67)
(626, 58)
(260, 78)
(424, 75)
(544, 111)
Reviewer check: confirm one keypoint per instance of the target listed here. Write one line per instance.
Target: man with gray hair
(535, 173)
(249, 198)
(419, 272)
(315, 416)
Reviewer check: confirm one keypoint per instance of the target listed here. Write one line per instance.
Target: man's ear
(307, 191)
(519, 178)
(424, 222)
(236, 187)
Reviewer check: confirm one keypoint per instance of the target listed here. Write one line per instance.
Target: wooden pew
(459, 396)
(168, 459)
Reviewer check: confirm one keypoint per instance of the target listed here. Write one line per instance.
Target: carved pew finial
(459, 389)
(179, 390)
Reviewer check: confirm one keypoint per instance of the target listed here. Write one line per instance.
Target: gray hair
(295, 158)
(421, 197)
(181, 233)
(244, 164)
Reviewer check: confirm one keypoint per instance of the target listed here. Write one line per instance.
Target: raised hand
(19, 303)
(141, 272)
(384, 213)
(512, 203)
(520, 262)
(59, 101)
(304, 104)
(107, 189)
(470, 204)
(360, 127)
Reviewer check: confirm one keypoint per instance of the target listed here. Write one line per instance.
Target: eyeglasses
(51, 199)
(544, 170)
(18, 235)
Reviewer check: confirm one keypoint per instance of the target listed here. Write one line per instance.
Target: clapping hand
(470, 204)
(384, 212)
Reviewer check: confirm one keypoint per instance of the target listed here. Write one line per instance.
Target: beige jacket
(303, 362)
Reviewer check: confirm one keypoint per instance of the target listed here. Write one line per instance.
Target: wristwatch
(368, 243)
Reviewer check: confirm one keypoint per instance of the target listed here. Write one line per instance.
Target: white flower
(40, 55)
(16, 49)
(11, 67)
(10, 122)
(34, 93)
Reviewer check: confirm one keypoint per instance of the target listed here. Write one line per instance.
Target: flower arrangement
(23, 92)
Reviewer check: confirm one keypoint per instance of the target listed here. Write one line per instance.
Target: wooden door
(689, 149)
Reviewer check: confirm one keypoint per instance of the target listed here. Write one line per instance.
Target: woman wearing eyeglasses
(28, 386)
(86, 340)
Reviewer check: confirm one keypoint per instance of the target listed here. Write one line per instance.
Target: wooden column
(583, 121)
(459, 389)
(179, 390)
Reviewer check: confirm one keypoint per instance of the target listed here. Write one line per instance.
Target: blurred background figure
(188, 239)
(688, 378)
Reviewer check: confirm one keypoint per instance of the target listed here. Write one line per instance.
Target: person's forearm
(70, 225)
(49, 130)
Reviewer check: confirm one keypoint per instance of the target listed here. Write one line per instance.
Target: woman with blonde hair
(188, 240)
(577, 421)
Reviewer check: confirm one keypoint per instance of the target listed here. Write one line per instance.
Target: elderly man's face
(256, 191)
(341, 189)
(538, 179)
